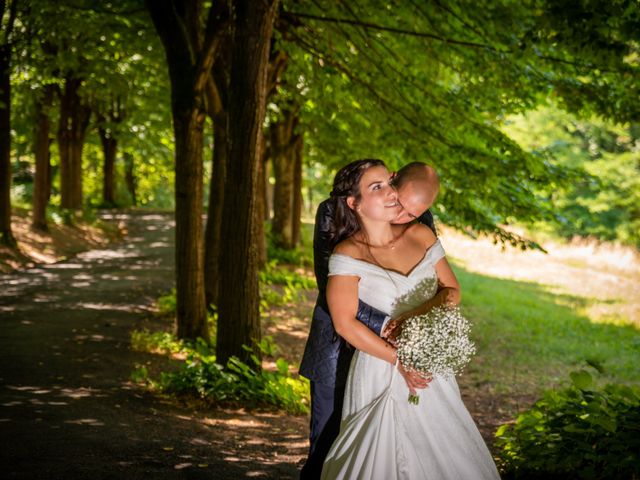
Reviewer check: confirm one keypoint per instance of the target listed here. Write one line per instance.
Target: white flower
(436, 343)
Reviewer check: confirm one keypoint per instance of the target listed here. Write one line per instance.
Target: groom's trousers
(326, 412)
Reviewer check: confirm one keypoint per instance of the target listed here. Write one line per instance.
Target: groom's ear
(351, 203)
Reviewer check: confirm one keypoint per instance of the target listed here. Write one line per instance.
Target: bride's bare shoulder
(421, 233)
(347, 247)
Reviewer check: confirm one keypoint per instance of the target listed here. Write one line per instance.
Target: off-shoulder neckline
(391, 270)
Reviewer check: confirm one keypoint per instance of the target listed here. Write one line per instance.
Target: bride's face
(378, 200)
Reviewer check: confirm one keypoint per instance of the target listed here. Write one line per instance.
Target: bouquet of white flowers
(435, 343)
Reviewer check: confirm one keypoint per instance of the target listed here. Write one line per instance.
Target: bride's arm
(342, 297)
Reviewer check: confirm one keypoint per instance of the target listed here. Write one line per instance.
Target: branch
(382, 100)
(13, 7)
(106, 10)
(384, 28)
(451, 41)
(277, 64)
(217, 21)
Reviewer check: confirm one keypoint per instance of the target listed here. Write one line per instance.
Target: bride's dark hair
(347, 184)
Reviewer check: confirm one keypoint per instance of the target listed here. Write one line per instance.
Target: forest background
(236, 115)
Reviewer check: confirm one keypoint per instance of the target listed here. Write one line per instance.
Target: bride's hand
(415, 381)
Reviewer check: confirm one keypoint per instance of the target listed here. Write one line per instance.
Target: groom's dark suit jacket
(327, 356)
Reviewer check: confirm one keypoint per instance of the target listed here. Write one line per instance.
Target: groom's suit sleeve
(369, 316)
(427, 219)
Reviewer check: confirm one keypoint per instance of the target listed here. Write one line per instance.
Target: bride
(398, 269)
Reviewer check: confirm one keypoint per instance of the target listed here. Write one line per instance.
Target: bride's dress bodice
(387, 290)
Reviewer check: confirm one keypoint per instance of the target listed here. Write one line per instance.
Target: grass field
(539, 316)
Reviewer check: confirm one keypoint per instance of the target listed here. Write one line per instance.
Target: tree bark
(109, 148)
(108, 120)
(74, 120)
(238, 303)
(283, 143)
(130, 178)
(191, 312)
(6, 234)
(217, 92)
(213, 238)
(42, 177)
(261, 206)
(296, 210)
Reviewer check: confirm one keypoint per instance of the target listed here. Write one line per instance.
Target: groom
(326, 356)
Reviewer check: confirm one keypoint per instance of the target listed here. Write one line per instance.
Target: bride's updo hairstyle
(347, 184)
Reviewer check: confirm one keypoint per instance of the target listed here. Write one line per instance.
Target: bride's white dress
(382, 435)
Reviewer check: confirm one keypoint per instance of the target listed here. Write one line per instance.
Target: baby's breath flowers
(435, 343)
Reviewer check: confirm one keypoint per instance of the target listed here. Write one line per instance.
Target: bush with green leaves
(581, 432)
(291, 283)
(246, 383)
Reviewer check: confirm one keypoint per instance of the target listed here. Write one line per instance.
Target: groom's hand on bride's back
(393, 329)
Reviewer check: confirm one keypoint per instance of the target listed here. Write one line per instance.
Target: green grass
(529, 339)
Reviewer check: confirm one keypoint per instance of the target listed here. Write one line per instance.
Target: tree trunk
(129, 177)
(216, 202)
(108, 120)
(238, 302)
(296, 210)
(74, 120)
(283, 143)
(42, 177)
(191, 321)
(109, 148)
(6, 234)
(190, 54)
(268, 188)
(261, 238)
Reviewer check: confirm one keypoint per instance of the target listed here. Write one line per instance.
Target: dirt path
(67, 407)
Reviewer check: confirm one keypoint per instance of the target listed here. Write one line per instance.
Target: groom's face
(411, 204)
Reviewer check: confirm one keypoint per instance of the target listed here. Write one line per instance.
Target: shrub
(239, 382)
(577, 432)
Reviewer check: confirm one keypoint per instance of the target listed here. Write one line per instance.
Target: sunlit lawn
(529, 339)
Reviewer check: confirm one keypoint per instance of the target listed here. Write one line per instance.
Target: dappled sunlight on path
(67, 406)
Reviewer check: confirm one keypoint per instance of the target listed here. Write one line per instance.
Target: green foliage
(273, 273)
(156, 342)
(167, 303)
(439, 91)
(111, 50)
(603, 197)
(140, 374)
(280, 285)
(248, 384)
(300, 256)
(577, 432)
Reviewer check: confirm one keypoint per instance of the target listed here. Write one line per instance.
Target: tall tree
(283, 142)
(190, 50)
(8, 15)
(217, 105)
(109, 117)
(238, 302)
(42, 154)
(75, 113)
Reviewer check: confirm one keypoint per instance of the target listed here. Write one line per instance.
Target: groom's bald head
(417, 185)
